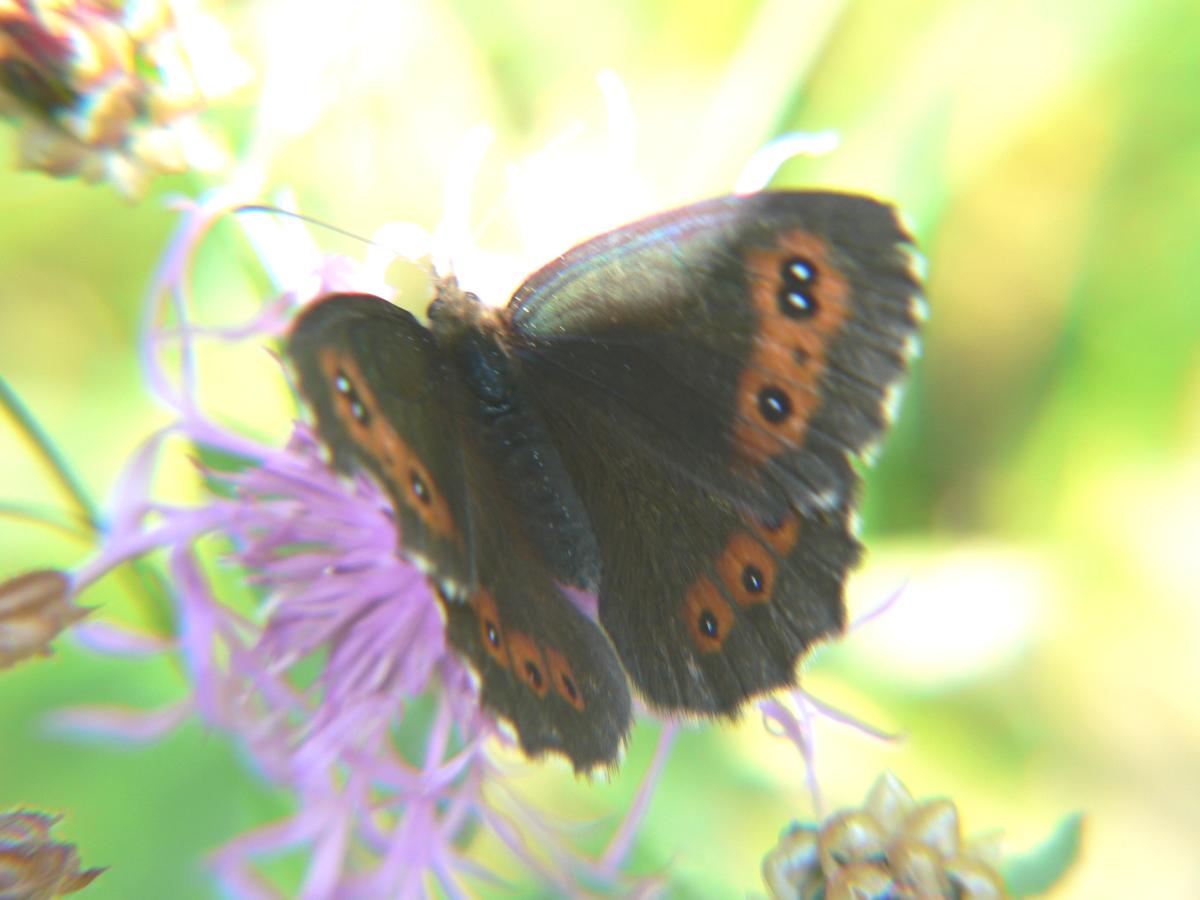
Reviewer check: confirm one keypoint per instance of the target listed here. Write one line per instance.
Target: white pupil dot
(801, 271)
(342, 383)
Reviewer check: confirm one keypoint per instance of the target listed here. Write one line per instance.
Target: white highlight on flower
(452, 243)
(763, 165)
(576, 186)
(538, 187)
(213, 69)
(403, 240)
(622, 126)
(966, 612)
(297, 84)
(554, 207)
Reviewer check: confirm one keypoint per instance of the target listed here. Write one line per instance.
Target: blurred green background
(1040, 493)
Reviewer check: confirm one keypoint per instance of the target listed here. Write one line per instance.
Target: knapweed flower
(892, 847)
(109, 89)
(34, 609)
(33, 865)
(319, 648)
(312, 642)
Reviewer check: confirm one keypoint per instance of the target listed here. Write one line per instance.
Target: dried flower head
(891, 847)
(34, 609)
(32, 864)
(108, 90)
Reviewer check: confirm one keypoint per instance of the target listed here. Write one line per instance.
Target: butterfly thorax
(471, 333)
(454, 311)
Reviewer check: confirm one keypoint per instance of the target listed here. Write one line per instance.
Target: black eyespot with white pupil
(493, 635)
(752, 579)
(419, 488)
(345, 387)
(708, 624)
(797, 277)
(534, 674)
(774, 404)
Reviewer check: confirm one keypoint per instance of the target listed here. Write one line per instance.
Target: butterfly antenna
(423, 259)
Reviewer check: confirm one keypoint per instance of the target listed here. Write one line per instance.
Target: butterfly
(666, 418)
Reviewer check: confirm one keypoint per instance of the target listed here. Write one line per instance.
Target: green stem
(44, 448)
(54, 519)
(139, 578)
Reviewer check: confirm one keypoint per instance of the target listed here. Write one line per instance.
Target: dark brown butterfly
(667, 417)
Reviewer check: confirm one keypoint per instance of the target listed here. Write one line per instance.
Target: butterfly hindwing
(706, 602)
(543, 665)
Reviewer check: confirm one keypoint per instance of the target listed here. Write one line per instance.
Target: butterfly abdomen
(535, 483)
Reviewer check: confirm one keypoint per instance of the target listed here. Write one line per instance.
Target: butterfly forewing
(704, 373)
(389, 398)
(751, 340)
(381, 394)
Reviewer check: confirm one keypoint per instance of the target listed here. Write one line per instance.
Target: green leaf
(1037, 871)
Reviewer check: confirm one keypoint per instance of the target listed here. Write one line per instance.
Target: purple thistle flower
(319, 549)
(383, 796)
(790, 715)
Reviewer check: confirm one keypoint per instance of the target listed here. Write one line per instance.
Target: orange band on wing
(748, 570)
(801, 301)
(708, 615)
(359, 412)
(564, 679)
(491, 632)
(528, 662)
(780, 536)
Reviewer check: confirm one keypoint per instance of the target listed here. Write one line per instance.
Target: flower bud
(892, 847)
(34, 609)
